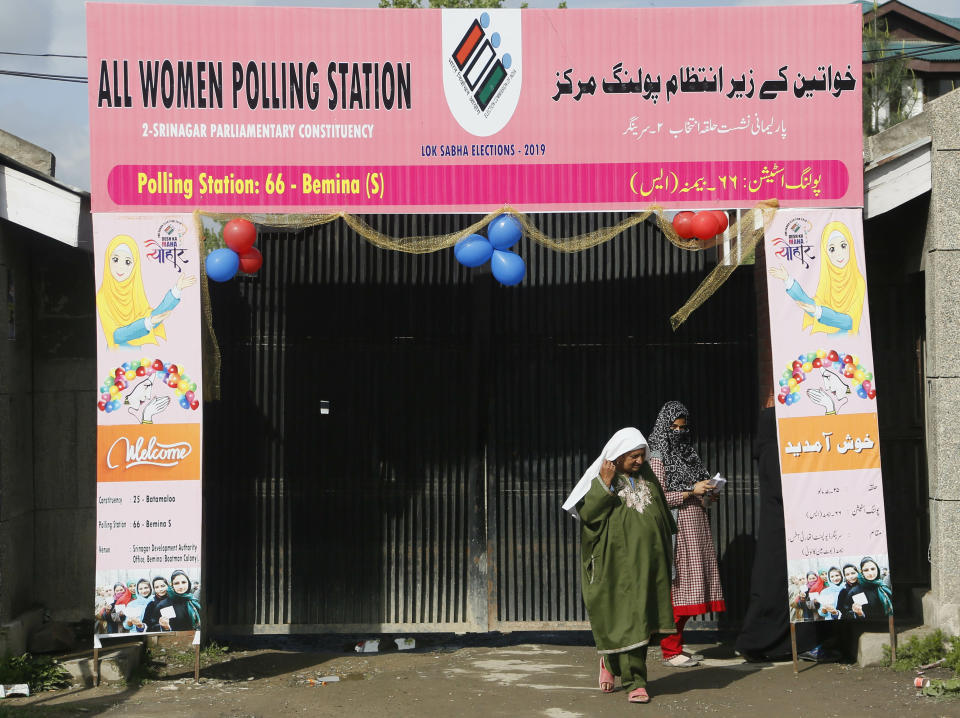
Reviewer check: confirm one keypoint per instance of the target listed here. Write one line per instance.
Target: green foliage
(953, 656)
(212, 237)
(211, 653)
(41, 674)
(890, 88)
(924, 651)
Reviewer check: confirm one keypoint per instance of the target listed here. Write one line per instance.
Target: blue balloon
(222, 264)
(472, 251)
(508, 268)
(504, 231)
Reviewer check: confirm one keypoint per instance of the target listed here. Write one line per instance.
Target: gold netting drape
(741, 238)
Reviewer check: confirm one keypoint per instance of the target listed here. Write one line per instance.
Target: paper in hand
(716, 483)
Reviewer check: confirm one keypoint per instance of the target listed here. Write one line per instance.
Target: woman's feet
(606, 678)
(639, 695)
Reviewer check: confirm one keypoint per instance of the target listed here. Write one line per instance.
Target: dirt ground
(554, 677)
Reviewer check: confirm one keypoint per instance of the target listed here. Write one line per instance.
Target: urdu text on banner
(252, 109)
(837, 557)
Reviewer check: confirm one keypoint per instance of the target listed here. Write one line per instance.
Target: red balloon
(119, 372)
(833, 356)
(721, 219)
(194, 404)
(102, 405)
(782, 398)
(158, 365)
(239, 234)
(705, 225)
(141, 371)
(817, 363)
(872, 393)
(797, 364)
(172, 369)
(251, 261)
(682, 224)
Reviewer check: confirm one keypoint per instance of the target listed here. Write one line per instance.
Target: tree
(889, 87)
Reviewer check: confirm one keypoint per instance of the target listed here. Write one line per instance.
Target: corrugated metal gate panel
(584, 349)
(461, 413)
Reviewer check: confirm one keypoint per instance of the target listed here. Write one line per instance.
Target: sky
(54, 114)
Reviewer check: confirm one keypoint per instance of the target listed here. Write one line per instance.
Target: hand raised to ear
(607, 471)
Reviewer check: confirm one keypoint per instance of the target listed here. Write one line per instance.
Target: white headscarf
(623, 442)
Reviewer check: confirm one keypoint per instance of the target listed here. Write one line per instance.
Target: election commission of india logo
(482, 67)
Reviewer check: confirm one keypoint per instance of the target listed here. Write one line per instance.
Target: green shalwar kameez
(625, 540)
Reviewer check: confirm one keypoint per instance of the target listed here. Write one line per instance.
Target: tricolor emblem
(482, 68)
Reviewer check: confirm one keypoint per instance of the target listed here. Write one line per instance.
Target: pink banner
(837, 557)
(461, 110)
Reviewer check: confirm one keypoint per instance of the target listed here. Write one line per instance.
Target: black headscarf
(681, 464)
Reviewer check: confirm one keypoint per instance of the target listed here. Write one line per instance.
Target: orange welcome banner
(149, 452)
(829, 443)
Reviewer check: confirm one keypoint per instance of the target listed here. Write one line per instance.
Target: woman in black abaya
(766, 627)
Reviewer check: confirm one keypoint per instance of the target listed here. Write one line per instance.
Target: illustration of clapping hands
(833, 395)
(143, 404)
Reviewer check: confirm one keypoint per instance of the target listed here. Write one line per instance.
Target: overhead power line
(43, 54)
(889, 56)
(920, 52)
(44, 76)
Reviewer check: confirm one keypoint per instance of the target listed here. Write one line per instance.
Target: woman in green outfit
(625, 539)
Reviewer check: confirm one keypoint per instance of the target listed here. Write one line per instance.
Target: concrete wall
(47, 427)
(27, 153)
(942, 259)
(65, 432)
(17, 588)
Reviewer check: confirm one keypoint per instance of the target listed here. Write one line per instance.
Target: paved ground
(504, 677)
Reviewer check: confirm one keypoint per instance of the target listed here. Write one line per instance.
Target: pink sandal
(606, 678)
(639, 695)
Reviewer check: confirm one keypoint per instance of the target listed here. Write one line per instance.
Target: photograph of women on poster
(856, 588)
(166, 601)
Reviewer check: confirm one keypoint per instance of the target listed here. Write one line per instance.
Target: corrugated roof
(925, 50)
(952, 21)
(867, 6)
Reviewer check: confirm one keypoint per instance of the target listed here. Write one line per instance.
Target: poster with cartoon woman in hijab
(127, 317)
(148, 307)
(149, 421)
(827, 426)
(837, 305)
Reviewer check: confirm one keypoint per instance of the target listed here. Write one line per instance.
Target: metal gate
(397, 432)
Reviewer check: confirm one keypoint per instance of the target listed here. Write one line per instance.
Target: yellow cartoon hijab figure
(126, 316)
(837, 306)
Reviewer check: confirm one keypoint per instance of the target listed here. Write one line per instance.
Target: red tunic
(696, 586)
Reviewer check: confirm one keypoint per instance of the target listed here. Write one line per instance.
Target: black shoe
(819, 655)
